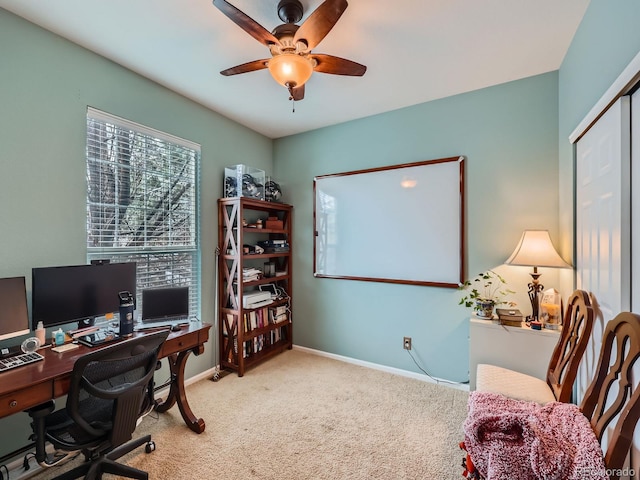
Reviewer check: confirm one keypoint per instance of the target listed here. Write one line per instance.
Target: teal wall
(509, 136)
(46, 84)
(607, 39)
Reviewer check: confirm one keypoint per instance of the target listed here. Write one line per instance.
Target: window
(142, 203)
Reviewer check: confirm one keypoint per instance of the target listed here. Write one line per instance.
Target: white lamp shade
(535, 249)
(290, 69)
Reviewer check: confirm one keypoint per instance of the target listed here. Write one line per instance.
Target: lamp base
(535, 289)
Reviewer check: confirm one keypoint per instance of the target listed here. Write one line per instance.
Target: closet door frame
(627, 84)
(635, 201)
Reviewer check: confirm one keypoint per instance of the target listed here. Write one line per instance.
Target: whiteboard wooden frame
(395, 224)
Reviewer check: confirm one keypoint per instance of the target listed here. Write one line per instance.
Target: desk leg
(177, 392)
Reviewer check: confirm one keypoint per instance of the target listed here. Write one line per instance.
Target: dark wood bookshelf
(241, 345)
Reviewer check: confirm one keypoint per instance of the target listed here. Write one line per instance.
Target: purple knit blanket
(509, 439)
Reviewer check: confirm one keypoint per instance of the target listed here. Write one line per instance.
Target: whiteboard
(397, 224)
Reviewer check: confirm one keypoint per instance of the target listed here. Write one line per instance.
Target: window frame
(144, 254)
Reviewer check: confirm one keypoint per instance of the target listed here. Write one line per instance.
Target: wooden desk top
(36, 383)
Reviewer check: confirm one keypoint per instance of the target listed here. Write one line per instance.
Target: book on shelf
(274, 246)
(278, 334)
(251, 274)
(509, 316)
(278, 314)
(275, 335)
(261, 342)
(279, 318)
(261, 317)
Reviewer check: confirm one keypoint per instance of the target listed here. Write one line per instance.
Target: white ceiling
(415, 51)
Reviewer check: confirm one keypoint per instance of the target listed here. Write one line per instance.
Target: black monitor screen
(80, 292)
(158, 303)
(14, 319)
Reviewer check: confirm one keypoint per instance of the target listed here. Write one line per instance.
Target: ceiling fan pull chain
(291, 97)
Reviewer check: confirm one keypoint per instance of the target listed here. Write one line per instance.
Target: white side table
(516, 348)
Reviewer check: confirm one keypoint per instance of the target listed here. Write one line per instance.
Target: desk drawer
(179, 344)
(29, 397)
(61, 386)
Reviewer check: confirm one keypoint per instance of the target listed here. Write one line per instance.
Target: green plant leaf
(489, 289)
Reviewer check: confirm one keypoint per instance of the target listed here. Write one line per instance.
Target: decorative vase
(484, 307)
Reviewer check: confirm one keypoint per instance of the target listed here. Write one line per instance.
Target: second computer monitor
(161, 303)
(14, 319)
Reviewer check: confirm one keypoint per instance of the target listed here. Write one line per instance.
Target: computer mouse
(175, 328)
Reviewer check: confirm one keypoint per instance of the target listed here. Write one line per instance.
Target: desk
(34, 384)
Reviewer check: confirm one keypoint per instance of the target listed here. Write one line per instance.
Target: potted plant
(484, 292)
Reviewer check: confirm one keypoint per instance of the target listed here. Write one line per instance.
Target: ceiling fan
(292, 63)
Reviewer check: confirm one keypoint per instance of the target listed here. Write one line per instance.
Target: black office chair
(110, 389)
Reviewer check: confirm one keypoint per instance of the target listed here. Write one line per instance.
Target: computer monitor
(79, 293)
(163, 303)
(14, 319)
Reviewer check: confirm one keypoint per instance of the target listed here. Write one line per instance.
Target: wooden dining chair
(612, 400)
(563, 365)
(611, 403)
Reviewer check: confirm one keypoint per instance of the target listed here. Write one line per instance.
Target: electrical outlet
(407, 343)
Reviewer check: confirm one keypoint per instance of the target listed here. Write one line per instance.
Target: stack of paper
(251, 274)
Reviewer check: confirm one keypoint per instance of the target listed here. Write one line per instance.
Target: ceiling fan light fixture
(290, 69)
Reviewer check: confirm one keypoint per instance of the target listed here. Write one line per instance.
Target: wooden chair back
(613, 394)
(576, 331)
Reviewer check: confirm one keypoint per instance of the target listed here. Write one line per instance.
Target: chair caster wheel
(150, 447)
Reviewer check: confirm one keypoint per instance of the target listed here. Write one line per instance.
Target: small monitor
(14, 319)
(164, 303)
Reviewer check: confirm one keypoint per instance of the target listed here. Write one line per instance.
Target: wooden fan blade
(320, 22)
(298, 93)
(247, 23)
(246, 67)
(337, 65)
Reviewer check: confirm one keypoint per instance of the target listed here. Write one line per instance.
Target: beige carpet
(303, 416)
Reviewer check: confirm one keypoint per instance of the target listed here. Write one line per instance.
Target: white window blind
(142, 202)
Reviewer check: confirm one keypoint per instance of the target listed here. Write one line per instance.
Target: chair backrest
(109, 386)
(576, 331)
(613, 394)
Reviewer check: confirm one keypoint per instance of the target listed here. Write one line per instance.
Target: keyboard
(19, 360)
(161, 322)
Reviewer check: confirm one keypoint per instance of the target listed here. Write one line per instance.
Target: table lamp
(536, 250)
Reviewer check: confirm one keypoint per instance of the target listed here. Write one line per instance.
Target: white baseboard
(385, 368)
(206, 374)
(362, 363)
